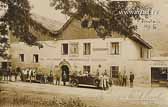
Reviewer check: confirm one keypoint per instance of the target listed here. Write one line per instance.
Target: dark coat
(131, 77)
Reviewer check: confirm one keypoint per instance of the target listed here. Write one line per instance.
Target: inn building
(77, 49)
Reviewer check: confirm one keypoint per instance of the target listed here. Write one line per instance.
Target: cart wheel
(74, 83)
(97, 83)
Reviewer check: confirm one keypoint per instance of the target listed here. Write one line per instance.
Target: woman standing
(64, 77)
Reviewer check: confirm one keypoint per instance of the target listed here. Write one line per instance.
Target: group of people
(106, 81)
(12, 74)
(123, 79)
(8, 73)
(58, 76)
(31, 74)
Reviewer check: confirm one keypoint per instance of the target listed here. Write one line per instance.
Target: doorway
(65, 73)
(159, 75)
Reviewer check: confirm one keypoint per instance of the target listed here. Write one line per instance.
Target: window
(4, 65)
(115, 48)
(114, 71)
(21, 57)
(65, 49)
(148, 53)
(36, 58)
(86, 69)
(141, 52)
(87, 49)
(74, 48)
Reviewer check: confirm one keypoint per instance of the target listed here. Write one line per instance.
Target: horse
(28, 74)
(5, 73)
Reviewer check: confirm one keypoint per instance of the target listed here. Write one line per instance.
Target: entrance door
(65, 73)
(159, 74)
(4, 65)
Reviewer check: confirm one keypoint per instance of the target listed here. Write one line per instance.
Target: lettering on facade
(160, 63)
(100, 49)
(73, 59)
(99, 60)
(77, 59)
(49, 59)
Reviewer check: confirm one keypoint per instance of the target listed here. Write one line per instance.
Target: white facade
(84, 51)
(128, 58)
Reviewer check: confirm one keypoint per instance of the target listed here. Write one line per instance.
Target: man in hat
(131, 79)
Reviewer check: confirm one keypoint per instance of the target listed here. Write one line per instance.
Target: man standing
(31, 75)
(27, 71)
(57, 77)
(131, 79)
(10, 72)
(15, 74)
(124, 79)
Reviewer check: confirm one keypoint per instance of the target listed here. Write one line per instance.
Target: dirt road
(114, 97)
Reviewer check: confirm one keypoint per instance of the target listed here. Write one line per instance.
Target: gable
(75, 31)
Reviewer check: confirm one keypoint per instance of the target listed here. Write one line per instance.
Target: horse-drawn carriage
(32, 75)
(5, 70)
(41, 78)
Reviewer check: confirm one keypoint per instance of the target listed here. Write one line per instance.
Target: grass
(20, 101)
(16, 100)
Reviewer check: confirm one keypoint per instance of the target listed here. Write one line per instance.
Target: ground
(47, 95)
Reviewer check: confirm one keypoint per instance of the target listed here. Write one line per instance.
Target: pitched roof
(49, 24)
(57, 28)
(136, 37)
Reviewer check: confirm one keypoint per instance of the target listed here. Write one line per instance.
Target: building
(77, 49)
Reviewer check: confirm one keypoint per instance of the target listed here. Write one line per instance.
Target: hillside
(159, 42)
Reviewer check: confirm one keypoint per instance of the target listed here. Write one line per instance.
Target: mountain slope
(159, 42)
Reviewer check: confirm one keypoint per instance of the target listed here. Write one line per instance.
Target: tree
(105, 16)
(4, 45)
(19, 20)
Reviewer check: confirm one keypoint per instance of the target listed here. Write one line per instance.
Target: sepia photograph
(83, 53)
